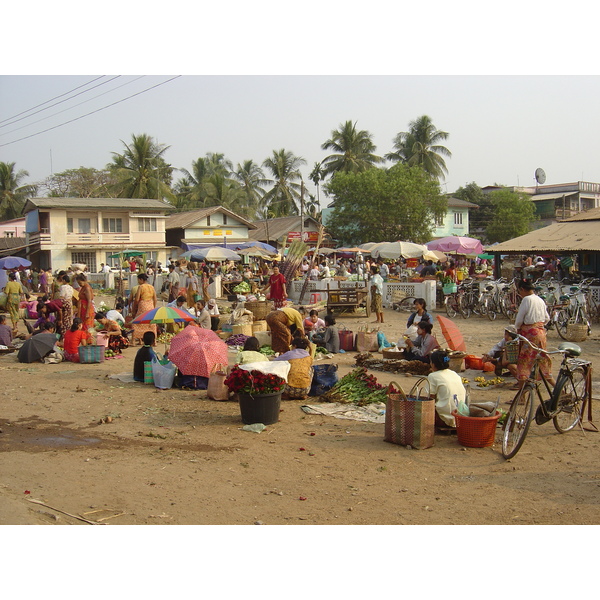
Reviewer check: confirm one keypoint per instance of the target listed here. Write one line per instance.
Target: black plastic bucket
(262, 408)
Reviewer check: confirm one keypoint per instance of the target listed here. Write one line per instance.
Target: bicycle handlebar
(522, 338)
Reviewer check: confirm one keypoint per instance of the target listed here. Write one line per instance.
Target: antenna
(540, 176)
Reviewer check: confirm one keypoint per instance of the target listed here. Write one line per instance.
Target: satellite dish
(540, 176)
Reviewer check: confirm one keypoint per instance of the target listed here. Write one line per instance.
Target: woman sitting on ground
(116, 340)
(423, 346)
(251, 352)
(420, 313)
(74, 337)
(301, 371)
(313, 323)
(445, 387)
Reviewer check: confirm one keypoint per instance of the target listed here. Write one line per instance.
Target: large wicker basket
(577, 332)
(259, 308)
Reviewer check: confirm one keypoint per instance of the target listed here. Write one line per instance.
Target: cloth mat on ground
(373, 413)
(124, 377)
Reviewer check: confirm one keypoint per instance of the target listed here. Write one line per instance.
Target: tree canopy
(380, 205)
(513, 212)
(12, 193)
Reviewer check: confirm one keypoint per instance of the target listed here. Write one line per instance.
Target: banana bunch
(464, 380)
(483, 382)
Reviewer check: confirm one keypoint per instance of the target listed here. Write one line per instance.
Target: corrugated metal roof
(537, 197)
(97, 203)
(185, 219)
(592, 214)
(567, 236)
(458, 203)
(281, 226)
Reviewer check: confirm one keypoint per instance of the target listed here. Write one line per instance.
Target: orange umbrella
(452, 334)
(195, 351)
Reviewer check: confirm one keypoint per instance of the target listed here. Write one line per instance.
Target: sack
(411, 332)
(163, 374)
(409, 422)
(366, 341)
(148, 378)
(217, 390)
(324, 378)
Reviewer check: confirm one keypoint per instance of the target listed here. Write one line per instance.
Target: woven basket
(259, 326)
(259, 308)
(476, 432)
(393, 354)
(577, 332)
(512, 352)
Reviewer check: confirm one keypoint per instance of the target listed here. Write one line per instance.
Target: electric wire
(72, 107)
(90, 113)
(60, 102)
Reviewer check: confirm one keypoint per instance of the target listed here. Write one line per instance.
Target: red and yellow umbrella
(164, 314)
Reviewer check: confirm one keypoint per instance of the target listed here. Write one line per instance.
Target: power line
(72, 107)
(51, 99)
(60, 102)
(90, 113)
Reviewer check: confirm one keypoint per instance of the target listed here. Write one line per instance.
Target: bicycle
(571, 321)
(564, 404)
(454, 304)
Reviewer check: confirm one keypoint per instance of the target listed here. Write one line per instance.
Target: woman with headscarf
(14, 292)
(144, 300)
(85, 302)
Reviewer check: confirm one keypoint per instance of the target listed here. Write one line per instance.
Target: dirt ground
(175, 457)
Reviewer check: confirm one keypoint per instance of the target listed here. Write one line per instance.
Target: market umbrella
(256, 251)
(457, 244)
(354, 249)
(36, 347)
(367, 246)
(14, 262)
(397, 250)
(452, 333)
(196, 351)
(214, 253)
(434, 255)
(127, 253)
(164, 314)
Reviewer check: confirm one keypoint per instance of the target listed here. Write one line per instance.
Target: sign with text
(304, 236)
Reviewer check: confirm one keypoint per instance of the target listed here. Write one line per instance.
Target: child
(144, 354)
(445, 387)
(250, 353)
(497, 355)
(74, 337)
(313, 323)
(331, 337)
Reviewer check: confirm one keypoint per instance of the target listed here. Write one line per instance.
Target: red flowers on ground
(254, 382)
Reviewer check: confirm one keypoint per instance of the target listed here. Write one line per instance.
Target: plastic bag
(324, 378)
(163, 374)
(278, 367)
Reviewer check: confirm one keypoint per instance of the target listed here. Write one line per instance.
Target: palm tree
(281, 200)
(217, 164)
(316, 176)
(191, 186)
(353, 150)
(252, 180)
(420, 146)
(141, 170)
(222, 191)
(12, 194)
(313, 207)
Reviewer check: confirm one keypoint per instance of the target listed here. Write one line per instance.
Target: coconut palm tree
(420, 146)
(281, 199)
(217, 164)
(252, 181)
(141, 170)
(12, 194)
(191, 186)
(353, 150)
(316, 176)
(222, 191)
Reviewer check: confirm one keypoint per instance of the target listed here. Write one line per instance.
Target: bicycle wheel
(561, 322)
(450, 302)
(509, 309)
(492, 310)
(482, 307)
(517, 422)
(571, 394)
(464, 306)
(406, 304)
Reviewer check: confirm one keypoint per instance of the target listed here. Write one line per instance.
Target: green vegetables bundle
(357, 387)
(266, 350)
(242, 288)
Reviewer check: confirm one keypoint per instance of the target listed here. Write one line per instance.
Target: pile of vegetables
(321, 350)
(267, 350)
(238, 339)
(358, 387)
(165, 338)
(242, 288)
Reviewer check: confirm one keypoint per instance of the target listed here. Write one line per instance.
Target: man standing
(384, 270)
(377, 294)
(173, 281)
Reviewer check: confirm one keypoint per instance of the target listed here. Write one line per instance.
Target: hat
(510, 329)
(211, 302)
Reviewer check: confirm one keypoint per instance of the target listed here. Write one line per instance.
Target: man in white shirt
(202, 315)
(213, 311)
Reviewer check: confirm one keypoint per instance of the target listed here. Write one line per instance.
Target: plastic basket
(91, 354)
(474, 362)
(512, 352)
(476, 432)
(449, 288)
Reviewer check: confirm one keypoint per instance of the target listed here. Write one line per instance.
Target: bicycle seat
(574, 288)
(489, 288)
(564, 298)
(570, 349)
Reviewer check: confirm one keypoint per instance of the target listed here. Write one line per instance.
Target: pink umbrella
(456, 244)
(195, 351)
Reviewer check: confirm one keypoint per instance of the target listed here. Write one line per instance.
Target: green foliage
(83, 182)
(281, 200)
(384, 205)
(513, 213)
(12, 193)
(479, 218)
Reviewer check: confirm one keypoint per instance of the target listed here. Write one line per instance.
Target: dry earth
(175, 457)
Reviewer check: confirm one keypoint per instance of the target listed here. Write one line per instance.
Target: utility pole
(301, 209)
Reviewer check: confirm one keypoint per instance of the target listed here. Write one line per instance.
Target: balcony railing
(44, 238)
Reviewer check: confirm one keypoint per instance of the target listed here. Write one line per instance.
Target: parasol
(36, 347)
(256, 251)
(217, 253)
(452, 333)
(196, 351)
(397, 250)
(14, 262)
(354, 249)
(457, 244)
(434, 255)
(164, 314)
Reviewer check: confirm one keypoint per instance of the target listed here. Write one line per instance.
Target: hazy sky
(501, 126)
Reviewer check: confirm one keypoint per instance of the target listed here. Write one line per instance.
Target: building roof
(185, 219)
(281, 226)
(537, 197)
(97, 203)
(580, 233)
(458, 203)
(10, 245)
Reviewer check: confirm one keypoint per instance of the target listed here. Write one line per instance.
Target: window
(87, 258)
(112, 225)
(69, 225)
(208, 221)
(439, 221)
(458, 218)
(84, 225)
(224, 219)
(146, 224)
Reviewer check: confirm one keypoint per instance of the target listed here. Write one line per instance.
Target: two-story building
(65, 231)
(456, 219)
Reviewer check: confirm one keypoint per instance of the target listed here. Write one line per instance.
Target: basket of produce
(392, 353)
(476, 432)
(259, 308)
(457, 361)
(243, 328)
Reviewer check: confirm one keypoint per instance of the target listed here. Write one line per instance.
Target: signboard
(304, 236)
(411, 263)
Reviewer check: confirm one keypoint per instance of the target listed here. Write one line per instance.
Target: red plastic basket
(476, 432)
(474, 362)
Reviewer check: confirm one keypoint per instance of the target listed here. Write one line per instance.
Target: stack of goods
(409, 367)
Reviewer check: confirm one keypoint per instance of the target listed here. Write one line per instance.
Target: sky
(508, 107)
